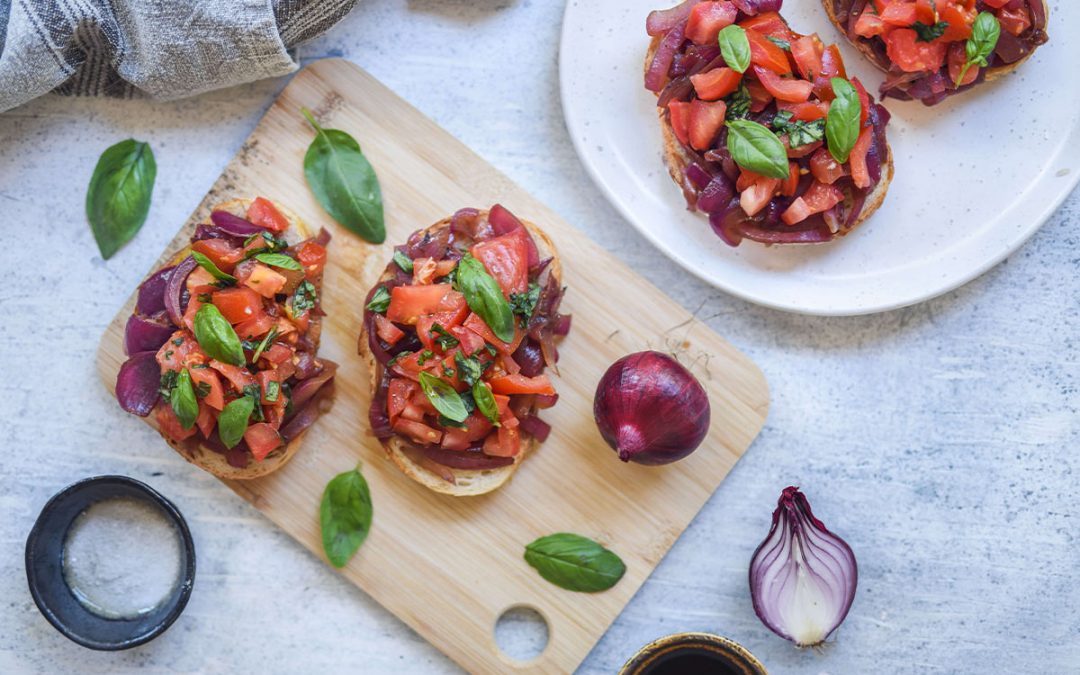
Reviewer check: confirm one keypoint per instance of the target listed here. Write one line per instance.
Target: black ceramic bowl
(45, 572)
(697, 653)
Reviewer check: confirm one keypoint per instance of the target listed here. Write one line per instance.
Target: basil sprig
(279, 260)
(485, 402)
(118, 197)
(575, 563)
(984, 38)
(233, 420)
(215, 271)
(484, 296)
(217, 337)
(444, 397)
(343, 182)
(345, 516)
(380, 301)
(182, 400)
(842, 122)
(754, 147)
(735, 48)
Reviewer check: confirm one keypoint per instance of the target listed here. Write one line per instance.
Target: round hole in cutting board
(521, 633)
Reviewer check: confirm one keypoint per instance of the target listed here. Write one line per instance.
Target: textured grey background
(939, 440)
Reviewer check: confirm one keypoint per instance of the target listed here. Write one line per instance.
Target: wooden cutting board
(449, 567)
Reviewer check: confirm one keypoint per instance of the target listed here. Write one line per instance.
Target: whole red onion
(650, 409)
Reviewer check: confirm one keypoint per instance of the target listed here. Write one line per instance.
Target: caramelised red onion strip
(473, 458)
(175, 287)
(234, 225)
(307, 388)
(660, 21)
(657, 74)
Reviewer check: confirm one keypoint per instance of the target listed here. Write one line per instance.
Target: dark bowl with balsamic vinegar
(693, 654)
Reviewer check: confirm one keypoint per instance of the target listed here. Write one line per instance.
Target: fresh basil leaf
(754, 147)
(424, 357)
(985, 33)
(574, 562)
(524, 304)
(168, 381)
(118, 197)
(279, 260)
(304, 298)
(264, 344)
(484, 296)
(469, 368)
(445, 338)
(253, 392)
(799, 132)
(233, 420)
(182, 400)
(343, 182)
(929, 33)
(380, 301)
(842, 122)
(273, 390)
(782, 44)
(215, 271)
(445, 399)
(738, 103)
(404, 262)
(345, 516)
(735, 48)
(485, 402)
(217, 337)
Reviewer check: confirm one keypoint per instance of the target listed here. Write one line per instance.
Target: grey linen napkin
(162, 48)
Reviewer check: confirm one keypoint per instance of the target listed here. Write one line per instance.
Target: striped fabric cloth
(161, 48)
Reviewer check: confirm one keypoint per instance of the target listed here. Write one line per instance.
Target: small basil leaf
(303, 299)
(264, 344)
(444, 397)
(380, 301)
(403, 261)
(754, 147)
(575, 563)
(343, 182)
(217, 337)
(118, 197)
(985, 33)
(470, 370)
(208, 265)
(182, 400)
(929, 32)
(735, 48)
(485, 402)
(345, 516)
(279, 260)
(524, 304)
(484, 296)
(233, 420)
(784, 44)
(842, 122)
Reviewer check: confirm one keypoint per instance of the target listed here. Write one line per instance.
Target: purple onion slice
(802, 577)
(152, 292)
(175, 287)
(138, 382)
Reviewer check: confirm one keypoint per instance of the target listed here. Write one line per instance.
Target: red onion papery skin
(802, 577)
(650, 409)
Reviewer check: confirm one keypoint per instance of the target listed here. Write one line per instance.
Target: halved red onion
(307, 388)
(152, 292)
(802, 577)
(473, 458)
(535, 427)
(657, 74)
(147, 333)
(175, 287)
(661, 21)
(235, 225)
(138, 382)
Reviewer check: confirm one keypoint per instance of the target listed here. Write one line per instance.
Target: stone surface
(940, 440)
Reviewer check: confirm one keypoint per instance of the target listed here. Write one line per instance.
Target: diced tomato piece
(264, 281)
(452, 309)
(715, 84)
(173, 356)
(807, 52)
(911, 55)
(864, 100)
(766, 54)
(824, 167)
(903, 14)
(791, 183)
(996, 4)
(170, 425)
(755, 197)
(207, 378)
(960, 22)
(265, 378)
(417, 431)
(221, 253)
(869, 24)
(261, 439)
(784, 89)
(760, 98)
(256, 327)
(519, 384)
(445, 267)
(312, 257)
(206, 420)
(799, 150)
(264, 214)
(477, 325)
(237, 305)
(707, 19)
(706, 120)
(387, 331)
(503, 442)
(423, 270)
(506, 258)
(408, 366)
(407, 303)
(275, 412)
(769, 23)
(477, 427)
(470, 341)
(277, 353)
(860, 175)
(400, 391)
(807, 111)
(200, 281)
(957, 59)
(679, 117)
(1015, 21)
(832, 64)
(747, 178)
(817, 199)
(238, 377)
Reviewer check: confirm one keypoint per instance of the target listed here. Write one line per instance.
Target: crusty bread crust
(192, 449)
(676, 159)
(467, 483)
(864, 47)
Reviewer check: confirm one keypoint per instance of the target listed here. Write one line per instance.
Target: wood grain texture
(449, 567)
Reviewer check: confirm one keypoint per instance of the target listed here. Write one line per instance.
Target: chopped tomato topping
(261, 439)
(206, 420)
(206, 379)
(256, 327)
(418, 431)
(270, 386)
(265, 281)
(519, 384)
(264, 214)
(791, 183)
(220, 252)
(869, 24)
(766, 54)
(807, 52)
(784, 89)
(769, 23)
(1015, 21)
(386, 330)
(957, 59)
(477, 325)
(679, 114)
(706, 120)
(760, 98)
(312, 257)
(825, 168)
(180, 351)
(860, 175)
(200, 281)
(707, 19)
(506, 442)
(237, 377)
(507, 259)
(237, 305)
(715, 84)
(817, 199)
(756, 196)
(170, 425)
(407, 303)
(808, 111)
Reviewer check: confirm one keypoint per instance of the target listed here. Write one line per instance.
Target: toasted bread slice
(867, 51)
(467, 482)
(193, 450)
(676, 159)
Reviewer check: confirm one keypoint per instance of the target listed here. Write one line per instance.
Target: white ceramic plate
(975, 175)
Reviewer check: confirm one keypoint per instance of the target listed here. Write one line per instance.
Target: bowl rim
(644, 656)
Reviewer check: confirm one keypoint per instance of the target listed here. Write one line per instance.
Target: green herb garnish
(445, 399)
(345, 516)
(735, 48)
(574, 562)
(233, 420)
(842, 122)
(984, 38)
(380, 301)
(182, 400)
(799, 132)
(404, 262)
(118, 197)
(279, 260)
(485, 402)
(303, 299)
(217, 337)
(484, 297)
(754, 147)
(524, 304)
(929, 33)
(442, 337)
(208, 265)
